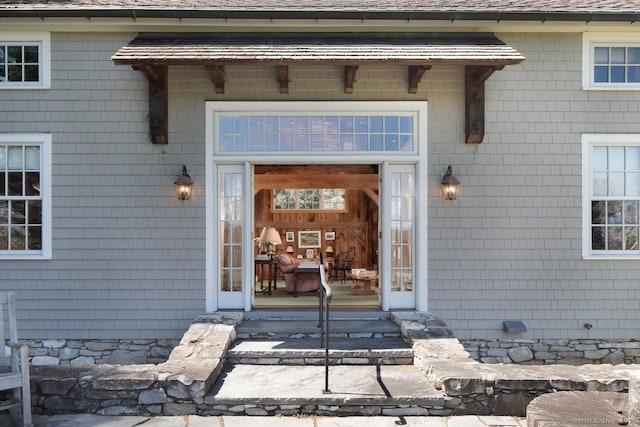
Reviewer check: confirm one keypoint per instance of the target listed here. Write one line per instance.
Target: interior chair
(14, 373)
(343, 264)
(296, 281)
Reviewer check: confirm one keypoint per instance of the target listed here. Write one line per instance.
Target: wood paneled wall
(356, 227)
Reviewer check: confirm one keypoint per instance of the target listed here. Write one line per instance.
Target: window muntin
(339, 132)
(327, 199)
(611, 61)
(24, 196)
(25, 61)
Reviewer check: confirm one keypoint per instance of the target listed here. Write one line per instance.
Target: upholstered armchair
(296, 282)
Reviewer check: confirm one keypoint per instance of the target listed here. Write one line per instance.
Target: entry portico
(392, 135)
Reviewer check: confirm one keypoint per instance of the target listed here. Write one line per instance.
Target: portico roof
(344, 49)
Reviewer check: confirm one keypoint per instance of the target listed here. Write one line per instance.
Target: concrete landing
(302, 385)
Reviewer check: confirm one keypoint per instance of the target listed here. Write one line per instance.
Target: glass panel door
(399, 225)
(230, 231)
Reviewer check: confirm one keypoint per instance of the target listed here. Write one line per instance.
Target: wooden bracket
(349, 77)
(216, 74)
(415, 75)
(475, 76)
(157, 77)
(283, 78)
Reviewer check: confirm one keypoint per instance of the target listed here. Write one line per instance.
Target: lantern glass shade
(184, 185)
(449, 185)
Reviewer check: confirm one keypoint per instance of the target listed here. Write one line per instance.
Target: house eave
(324, 14)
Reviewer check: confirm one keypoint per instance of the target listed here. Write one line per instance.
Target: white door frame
(418, 158)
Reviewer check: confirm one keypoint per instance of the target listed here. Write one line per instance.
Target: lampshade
(329, 249)
(289, 249)
(271, 235)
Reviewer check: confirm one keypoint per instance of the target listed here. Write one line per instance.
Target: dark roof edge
(573, 16)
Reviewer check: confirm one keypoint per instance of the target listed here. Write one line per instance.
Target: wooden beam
(216, 74)
(283, 78)
(372, 195)
(348, 182)
(415, 75)
(475, 76)
(157, 76)
(349, 77)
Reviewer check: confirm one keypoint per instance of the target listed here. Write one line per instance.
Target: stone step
(352, 390)
(306, 314)
(307, 351)
(283, 329)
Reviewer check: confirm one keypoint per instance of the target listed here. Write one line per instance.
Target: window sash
(610, 61)
(25, 196)
(25, 60)
(616, 64)
(611, 200)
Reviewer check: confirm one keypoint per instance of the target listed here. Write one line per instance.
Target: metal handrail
(325, 296)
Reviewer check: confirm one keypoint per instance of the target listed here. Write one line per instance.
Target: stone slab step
(354, 390)
(307, 351)
(306, 314)
(278, 329)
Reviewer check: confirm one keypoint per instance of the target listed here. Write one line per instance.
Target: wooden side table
(364, 280)
(271, 275)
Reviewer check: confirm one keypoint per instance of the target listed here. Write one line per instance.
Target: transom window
(611, 62)
(24, 196)
(328, 199)
(24, 61)
(240, 133)
(614, 195)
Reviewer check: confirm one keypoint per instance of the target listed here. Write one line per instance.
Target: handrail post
(324, 323)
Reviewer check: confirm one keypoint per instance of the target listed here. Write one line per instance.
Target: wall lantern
(184, 185)
(449, 185)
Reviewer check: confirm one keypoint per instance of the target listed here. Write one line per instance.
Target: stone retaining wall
(544, 352)
(496, 389)
(98, 352)
(180, 385)
(174, 387)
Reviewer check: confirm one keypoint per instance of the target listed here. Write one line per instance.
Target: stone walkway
(309, 421)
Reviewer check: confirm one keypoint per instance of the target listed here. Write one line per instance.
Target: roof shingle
(450, 48)
(462, 9)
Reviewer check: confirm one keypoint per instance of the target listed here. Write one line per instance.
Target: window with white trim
(611, 205)
(611, 61)
(323, 199)
(25, 206)
(25, 61)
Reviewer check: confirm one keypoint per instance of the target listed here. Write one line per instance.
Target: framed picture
(289, 236)
(310, 253)
(330, 235)
(309, 239)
